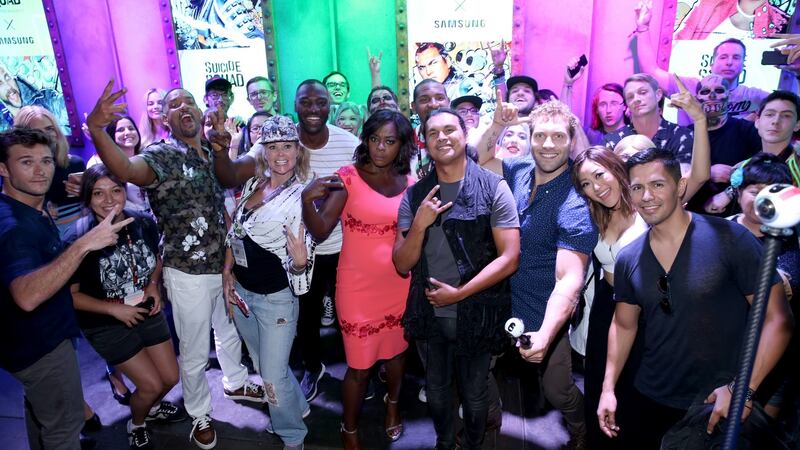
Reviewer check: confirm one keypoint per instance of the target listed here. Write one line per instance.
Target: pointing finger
(107, 90)
(681, 86)
(110, 217)
(441, 209)
(119, 225)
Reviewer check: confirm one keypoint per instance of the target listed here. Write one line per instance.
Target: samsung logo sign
(458, 23)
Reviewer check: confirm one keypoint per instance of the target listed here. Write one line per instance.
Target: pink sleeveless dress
(370, 294)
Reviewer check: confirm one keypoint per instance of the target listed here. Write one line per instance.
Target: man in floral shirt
(188, 203)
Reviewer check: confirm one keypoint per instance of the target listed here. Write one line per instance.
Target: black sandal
(122, 399)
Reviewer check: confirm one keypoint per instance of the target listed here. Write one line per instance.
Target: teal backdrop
(314, 37)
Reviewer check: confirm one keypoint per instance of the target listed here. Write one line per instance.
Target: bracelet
(748, 397)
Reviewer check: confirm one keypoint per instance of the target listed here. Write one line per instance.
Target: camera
(514, 327)
(778, 205)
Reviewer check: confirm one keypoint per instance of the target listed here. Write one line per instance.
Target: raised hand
(218, 135)
(572, 64)
(684, 100)
(106, 110)
(374, 61)
(296, 247)
(644, 13)
(429, 210)
(105, 233)
(790, 44)
(499, 55)
(507, 113)
(321, 187)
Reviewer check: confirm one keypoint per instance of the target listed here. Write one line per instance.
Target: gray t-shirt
(441, 262)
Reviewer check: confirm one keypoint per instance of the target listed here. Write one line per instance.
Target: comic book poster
(451, 41)
(29, 74)
(220, 38)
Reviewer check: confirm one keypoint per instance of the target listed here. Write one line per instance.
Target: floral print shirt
(188, 202)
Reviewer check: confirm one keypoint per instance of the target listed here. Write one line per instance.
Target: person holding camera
(118, 301)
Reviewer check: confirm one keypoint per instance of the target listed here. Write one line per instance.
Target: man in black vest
(459, 238)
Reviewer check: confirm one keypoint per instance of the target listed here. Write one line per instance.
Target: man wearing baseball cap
(521, 91)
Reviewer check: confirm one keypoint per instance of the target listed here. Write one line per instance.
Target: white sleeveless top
(607, 253)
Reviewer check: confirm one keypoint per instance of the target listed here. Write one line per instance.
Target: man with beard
(687, 284)
(329, 148)
(16, 93)
(187, 200)
(557, 238)
(644, 99)
(732, 139)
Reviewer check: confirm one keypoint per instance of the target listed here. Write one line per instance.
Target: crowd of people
(628, 246)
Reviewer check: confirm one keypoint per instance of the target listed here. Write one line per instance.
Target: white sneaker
(327, 318)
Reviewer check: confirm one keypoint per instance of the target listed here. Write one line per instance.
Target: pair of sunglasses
(663, 288)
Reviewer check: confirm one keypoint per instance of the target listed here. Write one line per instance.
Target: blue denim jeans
(470, 372)
(269, 333)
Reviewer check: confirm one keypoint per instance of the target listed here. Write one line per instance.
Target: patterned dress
(370, 294)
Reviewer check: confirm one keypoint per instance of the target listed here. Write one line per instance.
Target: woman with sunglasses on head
(118, 301)
(371, 296)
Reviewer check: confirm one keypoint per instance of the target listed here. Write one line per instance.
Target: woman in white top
(268, 265)
(601, 177)
(153, 128)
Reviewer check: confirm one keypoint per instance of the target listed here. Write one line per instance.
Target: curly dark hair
(405, 134)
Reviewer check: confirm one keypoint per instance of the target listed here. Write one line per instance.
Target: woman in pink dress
(370, 294)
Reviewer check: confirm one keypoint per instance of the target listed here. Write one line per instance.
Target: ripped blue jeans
(268, 334)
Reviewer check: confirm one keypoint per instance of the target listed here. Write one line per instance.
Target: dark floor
(241, 426)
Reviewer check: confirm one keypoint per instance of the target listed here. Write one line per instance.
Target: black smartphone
(774, 58)
(148, 304)
(581, 63)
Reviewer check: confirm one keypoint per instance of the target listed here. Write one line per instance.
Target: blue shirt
(557, 218)
(28, 241)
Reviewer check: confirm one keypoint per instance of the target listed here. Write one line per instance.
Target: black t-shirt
(695, 349)
(120, 270)
(262, 267)
(735, 141)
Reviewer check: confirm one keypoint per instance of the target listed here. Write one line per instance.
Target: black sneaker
(167, 413)
(140, 438)
(310, 381)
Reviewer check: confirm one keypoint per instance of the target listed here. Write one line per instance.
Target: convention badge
(237, 246)
(134, 298)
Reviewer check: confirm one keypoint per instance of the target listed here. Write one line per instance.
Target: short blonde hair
(27, 114)
(302, 169)
(632, 144)
(552, 109)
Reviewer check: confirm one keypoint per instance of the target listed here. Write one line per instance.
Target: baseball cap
(473, 99)
(218, 83)
(278, 129)
(522, 79)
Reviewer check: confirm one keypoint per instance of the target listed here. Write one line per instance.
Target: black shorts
(117, 343)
